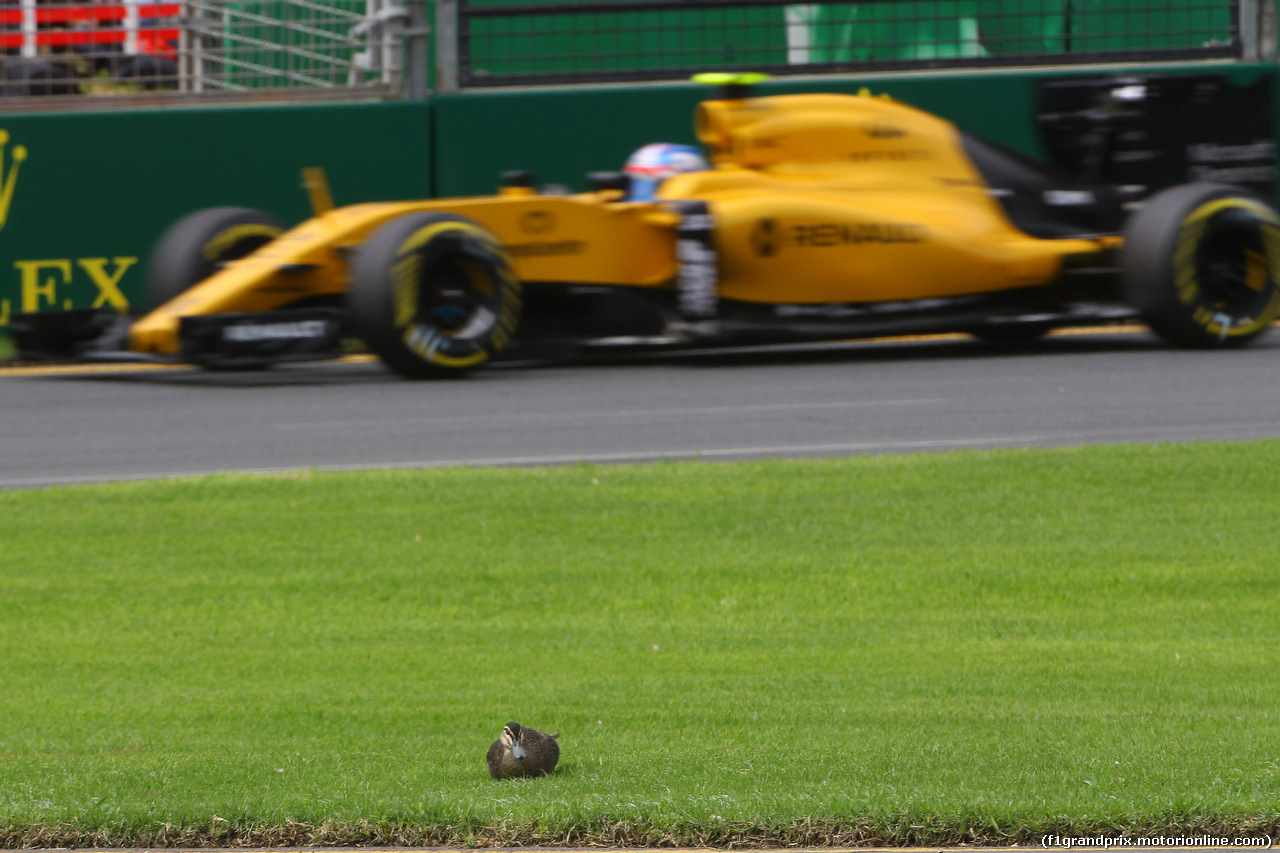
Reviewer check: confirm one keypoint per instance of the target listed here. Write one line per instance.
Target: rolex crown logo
(9, 177)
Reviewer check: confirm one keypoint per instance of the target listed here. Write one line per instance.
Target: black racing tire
(433, 294)
(196, 246)
(1201, 264)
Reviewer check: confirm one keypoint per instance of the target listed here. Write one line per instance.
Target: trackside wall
(83, 196)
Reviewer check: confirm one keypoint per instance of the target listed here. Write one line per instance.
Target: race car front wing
(225, 341)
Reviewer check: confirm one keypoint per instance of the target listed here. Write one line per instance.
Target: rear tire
(196, 246)
(1201, 264)
(433, 295)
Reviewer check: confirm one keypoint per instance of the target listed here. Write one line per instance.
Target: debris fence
(252, 48)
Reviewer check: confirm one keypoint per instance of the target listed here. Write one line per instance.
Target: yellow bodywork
(815, 199)
(832, 198)
(582, 238)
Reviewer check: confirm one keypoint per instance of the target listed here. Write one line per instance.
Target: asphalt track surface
(81, 425)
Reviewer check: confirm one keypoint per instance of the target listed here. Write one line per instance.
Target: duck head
(511, 739)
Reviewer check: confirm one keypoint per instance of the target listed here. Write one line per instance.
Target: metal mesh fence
(239, 45)
(197, 46)
(259, 47)
(64, 48)
(504, 43)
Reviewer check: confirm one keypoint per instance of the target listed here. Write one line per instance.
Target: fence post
(130, 27)
(376, 38)
(1247, 21)
(416, 55)
(196, 24)
(1267, 32)
(447, 46)
(29, 28)
(184, 49)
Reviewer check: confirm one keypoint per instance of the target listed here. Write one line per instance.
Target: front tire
(433, 295)
(1201, 264)
(196, 246)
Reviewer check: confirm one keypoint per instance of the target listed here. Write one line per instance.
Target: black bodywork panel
(1161, 130)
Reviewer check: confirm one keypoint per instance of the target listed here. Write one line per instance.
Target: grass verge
(934, 649)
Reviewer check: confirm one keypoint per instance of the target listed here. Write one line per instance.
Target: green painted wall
(95, 190)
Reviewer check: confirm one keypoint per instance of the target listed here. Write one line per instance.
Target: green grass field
(923, 649)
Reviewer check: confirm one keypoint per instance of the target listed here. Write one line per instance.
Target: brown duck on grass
(522, 751)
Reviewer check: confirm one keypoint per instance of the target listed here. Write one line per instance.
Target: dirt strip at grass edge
(904, 832)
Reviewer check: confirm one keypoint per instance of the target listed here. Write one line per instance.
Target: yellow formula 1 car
(823, 216)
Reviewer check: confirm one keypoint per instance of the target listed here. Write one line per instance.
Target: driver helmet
(649, 166)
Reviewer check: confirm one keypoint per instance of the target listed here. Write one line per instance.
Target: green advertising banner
(85, 195)
(1096, 26)
(920, 31)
